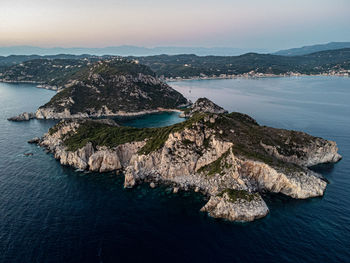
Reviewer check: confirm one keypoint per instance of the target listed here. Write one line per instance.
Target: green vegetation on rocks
(216, 167)
(235, 195)
(104, 135)
(101, 135)
(248, 137)
(239, 129)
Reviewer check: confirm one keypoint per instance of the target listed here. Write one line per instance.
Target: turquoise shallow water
(50, 213)
(152, 120)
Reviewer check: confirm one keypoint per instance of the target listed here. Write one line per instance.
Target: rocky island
(228, 157)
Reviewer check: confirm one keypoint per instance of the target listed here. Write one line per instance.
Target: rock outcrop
(241, 209)
(35, 140)
(203, 105)
(25, 116)
(228, 157)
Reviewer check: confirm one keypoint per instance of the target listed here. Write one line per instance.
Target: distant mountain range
(127, 51)
(55, 70)
(144, 51)
(312, 49)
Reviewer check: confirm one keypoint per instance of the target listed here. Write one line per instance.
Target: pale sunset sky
(272, 24)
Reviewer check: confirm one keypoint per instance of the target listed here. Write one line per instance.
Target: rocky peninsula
(228, 157)
(110, 87)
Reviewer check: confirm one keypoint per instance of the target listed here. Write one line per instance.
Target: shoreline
(42, 85)
(257, 76)
(122, 115)
(39, 85)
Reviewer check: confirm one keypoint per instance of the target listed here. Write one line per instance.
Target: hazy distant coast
(258, 75)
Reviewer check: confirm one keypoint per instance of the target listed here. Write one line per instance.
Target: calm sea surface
(50, 213)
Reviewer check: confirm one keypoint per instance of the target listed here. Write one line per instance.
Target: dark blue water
(50, 213)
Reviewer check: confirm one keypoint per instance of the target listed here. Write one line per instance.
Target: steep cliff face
(111, 88)
(212, 153)
(88, 157)
(318, 151)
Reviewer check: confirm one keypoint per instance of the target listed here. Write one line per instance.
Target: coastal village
(255, 74)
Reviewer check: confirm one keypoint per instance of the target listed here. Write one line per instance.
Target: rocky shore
(49, 87)
(25, 116)
(227, 157)
(42, 114)
(50, 113)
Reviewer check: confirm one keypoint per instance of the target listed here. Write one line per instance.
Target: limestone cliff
(228, 157)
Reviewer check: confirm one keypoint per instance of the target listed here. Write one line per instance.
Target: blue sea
(51, 213)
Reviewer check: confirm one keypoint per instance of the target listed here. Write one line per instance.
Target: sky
(270, 24)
